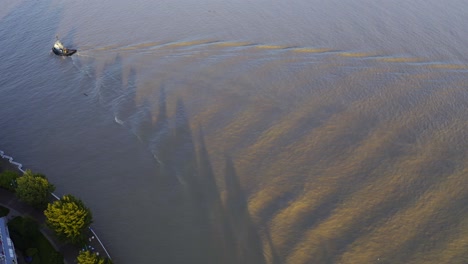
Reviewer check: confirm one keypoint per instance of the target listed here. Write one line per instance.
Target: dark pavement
(19, 208)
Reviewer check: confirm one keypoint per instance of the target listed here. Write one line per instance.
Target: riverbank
(6, 165)
(18, 208)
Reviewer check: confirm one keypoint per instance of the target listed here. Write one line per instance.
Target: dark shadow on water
(274, 257)
(195, 220)
(194, 225)
(208, 199)
(124, 105)
(140, 122)
(198, 221)
(247, 245)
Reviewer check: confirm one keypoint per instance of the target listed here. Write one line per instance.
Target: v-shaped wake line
(174, 46)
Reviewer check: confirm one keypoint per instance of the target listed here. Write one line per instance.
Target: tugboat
(60, 50)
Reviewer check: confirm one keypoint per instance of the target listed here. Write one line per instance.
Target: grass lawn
(26, 236)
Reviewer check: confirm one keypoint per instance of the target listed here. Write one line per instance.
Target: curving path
(18, 208)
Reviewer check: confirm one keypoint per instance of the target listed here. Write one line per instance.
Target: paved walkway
(18, 208)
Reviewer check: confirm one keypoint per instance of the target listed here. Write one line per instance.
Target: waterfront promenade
(18, 208)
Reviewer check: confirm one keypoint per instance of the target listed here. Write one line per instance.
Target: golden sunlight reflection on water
(360, 164)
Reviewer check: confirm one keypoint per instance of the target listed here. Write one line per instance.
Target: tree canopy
(34, 189)
(69, 218)
(87, 257)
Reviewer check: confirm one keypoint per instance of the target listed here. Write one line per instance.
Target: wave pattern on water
(345, 156)
(154, 47)
(324, 132)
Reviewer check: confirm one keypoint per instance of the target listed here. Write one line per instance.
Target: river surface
(243, 131)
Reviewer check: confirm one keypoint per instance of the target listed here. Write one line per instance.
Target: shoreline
(7, 163)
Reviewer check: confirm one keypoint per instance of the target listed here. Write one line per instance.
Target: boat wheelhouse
(60, 50)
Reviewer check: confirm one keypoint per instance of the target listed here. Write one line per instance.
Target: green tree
(8, 180)
(34, 189)
(69, 218)
(87, 257)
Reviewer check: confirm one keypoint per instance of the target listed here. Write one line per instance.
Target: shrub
(8, 180)
(88, 257)
(34, 189)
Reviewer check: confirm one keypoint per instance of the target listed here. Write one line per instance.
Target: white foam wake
(118, 121)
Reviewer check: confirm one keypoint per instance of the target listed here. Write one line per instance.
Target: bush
(34, 189)
(88, 257)
(8, 180)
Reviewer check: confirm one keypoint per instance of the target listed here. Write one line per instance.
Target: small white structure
(58, 45)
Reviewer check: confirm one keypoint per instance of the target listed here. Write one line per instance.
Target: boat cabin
(60, 50)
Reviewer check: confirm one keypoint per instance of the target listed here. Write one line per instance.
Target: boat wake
(118, 121)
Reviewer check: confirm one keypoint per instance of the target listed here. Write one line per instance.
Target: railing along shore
(20, 168)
